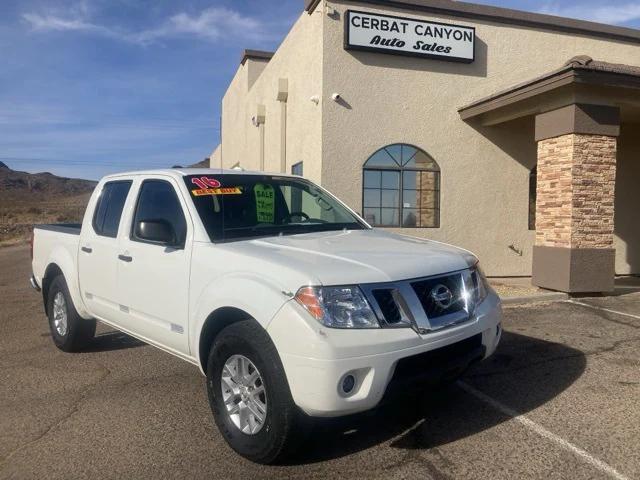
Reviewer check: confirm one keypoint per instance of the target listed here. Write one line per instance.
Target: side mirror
(156, 231)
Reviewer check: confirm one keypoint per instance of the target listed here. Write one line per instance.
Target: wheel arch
(213, 325)
(51, 272)
(229, 299)
(62, 262)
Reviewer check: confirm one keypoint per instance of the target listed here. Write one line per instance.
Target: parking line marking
(637, 317)
(543, 432)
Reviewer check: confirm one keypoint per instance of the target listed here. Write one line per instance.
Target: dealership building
(515, 135)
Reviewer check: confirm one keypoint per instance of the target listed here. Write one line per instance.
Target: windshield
(234, 207)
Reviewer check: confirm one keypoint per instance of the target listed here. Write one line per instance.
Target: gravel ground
(558, 400)
(505, 291)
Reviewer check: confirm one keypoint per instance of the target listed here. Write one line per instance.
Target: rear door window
(108, 212)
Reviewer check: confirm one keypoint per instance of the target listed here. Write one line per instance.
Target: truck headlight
(480, 284)
(338, 307)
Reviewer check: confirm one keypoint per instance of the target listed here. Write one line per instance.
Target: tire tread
(292, 423)
(80, 331)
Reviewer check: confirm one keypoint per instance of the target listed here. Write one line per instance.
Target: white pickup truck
(288, 302)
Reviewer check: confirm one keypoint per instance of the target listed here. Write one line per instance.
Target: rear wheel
(250, 397)
(70, 332)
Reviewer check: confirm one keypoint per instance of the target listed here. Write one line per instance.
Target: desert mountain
(23, 187)
(30, 198)
(201, 164)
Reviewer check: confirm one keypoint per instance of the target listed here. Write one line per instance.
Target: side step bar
(34, 284)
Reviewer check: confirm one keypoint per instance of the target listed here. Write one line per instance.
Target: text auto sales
(405, 35)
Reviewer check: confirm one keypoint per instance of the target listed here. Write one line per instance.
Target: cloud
(214, 23)
(44, 23)
(619, 13)
(41, 22)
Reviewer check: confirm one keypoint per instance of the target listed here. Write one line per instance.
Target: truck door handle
(125, 258)
(87, 249)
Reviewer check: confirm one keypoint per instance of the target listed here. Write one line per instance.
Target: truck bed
(70, 228)
(56, 243)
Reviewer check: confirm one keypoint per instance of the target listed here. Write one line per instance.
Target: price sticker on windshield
(205, 182)
(212, 186)
(265, 203)
(217, 191)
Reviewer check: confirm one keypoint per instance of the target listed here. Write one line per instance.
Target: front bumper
(316, 359)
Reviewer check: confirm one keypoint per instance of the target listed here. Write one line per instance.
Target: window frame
(99, 232)
(401, 170)
(297, 198)
(132, 233)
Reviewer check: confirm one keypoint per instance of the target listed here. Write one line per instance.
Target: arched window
(401, 187)
(533, 188)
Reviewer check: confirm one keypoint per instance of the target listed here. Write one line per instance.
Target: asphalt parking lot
(560, 399)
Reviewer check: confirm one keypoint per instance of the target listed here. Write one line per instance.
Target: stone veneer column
(575, 199)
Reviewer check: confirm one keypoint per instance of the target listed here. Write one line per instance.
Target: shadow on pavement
(109, 341)
(627, 285)
(524, 373)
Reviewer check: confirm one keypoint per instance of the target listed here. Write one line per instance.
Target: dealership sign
(406, 36)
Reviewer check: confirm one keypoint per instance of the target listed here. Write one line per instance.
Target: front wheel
(70, 332)
(250, 397)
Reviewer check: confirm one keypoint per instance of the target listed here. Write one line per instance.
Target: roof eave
(261, 55)
(506, 15)
(310, 5)
(567, 75)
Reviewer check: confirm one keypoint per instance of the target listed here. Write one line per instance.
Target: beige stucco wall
(235, 114)
(390, 99)
(299, 60)
(215, 159)
(627, 203)
(393, 99)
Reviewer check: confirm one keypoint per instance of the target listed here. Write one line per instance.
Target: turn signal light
(308, 298)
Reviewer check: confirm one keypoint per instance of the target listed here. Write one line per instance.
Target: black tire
(285, 426)
(79, 332)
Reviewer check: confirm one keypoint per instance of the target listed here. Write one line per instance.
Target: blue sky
(90, 87)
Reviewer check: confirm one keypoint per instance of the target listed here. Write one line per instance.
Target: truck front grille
(388, 305)
(426, 304)
(429, 289)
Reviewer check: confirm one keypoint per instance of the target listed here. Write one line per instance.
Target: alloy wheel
(244, 394)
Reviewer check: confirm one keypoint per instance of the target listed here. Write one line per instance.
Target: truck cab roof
(185, 171)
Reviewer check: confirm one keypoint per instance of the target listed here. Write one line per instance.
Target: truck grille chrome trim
(426, 304)
(388, 302)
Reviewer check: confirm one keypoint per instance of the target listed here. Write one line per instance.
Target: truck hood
(356, 256)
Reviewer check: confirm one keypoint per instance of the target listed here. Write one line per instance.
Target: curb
(541, 297)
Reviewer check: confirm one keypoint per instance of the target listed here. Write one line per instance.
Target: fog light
(348, 383)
